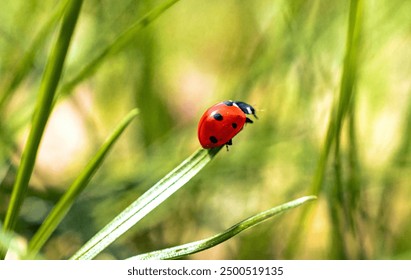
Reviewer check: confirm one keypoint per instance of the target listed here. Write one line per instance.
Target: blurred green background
(285, 58)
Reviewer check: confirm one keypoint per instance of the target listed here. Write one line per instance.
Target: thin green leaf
(146, 203)
(26, 63)
(346, 93)
(117, 45)
(63, 206)
(339, 112)
(201, 245)
(49, 83)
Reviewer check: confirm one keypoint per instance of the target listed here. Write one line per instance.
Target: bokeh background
(283, 57)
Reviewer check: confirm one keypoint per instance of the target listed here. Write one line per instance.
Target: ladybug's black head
(246, 108)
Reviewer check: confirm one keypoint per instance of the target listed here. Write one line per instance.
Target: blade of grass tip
(47, 91)
(117, 45)
(64, 204)
(164, 188)
(201, 245)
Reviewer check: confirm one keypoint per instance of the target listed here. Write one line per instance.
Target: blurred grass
(24, 66)
(286, 58)
(338, 191)
(47, 91)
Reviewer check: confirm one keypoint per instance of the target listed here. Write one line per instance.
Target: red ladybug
(220, 123)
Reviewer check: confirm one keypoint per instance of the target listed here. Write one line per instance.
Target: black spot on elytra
(234, 125)
(218, 117)
(213, 139)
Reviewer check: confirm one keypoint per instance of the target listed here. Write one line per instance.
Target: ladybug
(221, 122)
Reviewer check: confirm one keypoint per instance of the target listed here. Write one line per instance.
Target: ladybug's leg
(248, 120)
(229, 143)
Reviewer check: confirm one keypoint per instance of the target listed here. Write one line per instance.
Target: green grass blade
(341, 193)
(117, 45)
(49, 83)
(146, 203)
(347, 84)
(63, 206)
(27, 61)
(201, 245)
(338, 114)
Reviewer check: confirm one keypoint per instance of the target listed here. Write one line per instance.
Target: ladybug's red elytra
(222, 121)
